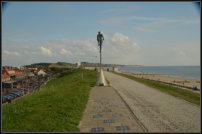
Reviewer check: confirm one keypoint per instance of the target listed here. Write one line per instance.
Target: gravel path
(158, 111)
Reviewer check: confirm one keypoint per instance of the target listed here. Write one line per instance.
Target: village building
(41, 72)
(11, 73)
(115, 69)
(5, 77)
(78, 64)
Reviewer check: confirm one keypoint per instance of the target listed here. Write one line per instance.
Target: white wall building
(41, 72)
(115, 69)
(78, 64)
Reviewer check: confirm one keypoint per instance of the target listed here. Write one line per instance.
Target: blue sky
(143, 33)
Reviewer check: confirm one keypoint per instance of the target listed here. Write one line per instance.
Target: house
(20, 79)
(41, 72)
(115, 69)
(11, 73)
(19, 74)
(30, 74)
(5, 77)
(78, 64)
(14, 68)
(21, 68)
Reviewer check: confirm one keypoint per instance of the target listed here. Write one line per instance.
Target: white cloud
(64, 7)
(156, 22)
(66, 52)
(46, 51)
(191, 21)
(180, 52)
(144, 18)
(119, 20)
(113, 20)
(150, 19)
(121, 8)
(11, 53)
(118, 48)
(170, 54)
(144, 29)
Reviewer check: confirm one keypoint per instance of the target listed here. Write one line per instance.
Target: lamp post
(101, 79)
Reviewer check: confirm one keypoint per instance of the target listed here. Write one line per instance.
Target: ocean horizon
(191, 72)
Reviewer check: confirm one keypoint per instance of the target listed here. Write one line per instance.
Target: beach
(184, 83)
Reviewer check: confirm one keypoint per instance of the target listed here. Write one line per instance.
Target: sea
(192, 72)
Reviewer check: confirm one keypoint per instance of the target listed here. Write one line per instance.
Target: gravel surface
(158, 111)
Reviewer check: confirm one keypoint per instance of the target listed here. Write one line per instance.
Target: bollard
(195, 88)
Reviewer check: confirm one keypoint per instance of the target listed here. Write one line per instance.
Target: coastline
(185, 83)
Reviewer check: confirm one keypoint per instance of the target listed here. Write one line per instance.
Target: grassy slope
(56, 107)
(59, 66)
(175, 91)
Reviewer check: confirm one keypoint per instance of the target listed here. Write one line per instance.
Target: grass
(175, 91)
(59, 66)
(56, 107)
(108, 82)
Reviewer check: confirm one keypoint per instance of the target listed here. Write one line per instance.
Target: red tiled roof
(11, 72)
(18, 73)
(5, 76)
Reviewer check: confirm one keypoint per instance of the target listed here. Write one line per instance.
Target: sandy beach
(184, 83)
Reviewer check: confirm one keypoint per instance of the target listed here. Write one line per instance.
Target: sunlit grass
(56, 107)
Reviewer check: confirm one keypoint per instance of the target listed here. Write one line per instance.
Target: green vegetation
(175, 91)
(56, 107)
(108, 82)
(61, 65)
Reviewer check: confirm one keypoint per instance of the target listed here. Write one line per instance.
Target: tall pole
(100, 59)
(100, 80)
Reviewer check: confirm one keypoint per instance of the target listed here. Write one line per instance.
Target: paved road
(107, 112)
(157, 111)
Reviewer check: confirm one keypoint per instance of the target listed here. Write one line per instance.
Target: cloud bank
(117, 48)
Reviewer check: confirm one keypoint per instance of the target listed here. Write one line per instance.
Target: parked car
(24, 90)
(17, 93)
(13, 95)
(20, 91)
(6, 97)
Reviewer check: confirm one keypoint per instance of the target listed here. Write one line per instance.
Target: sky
(135, 33)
